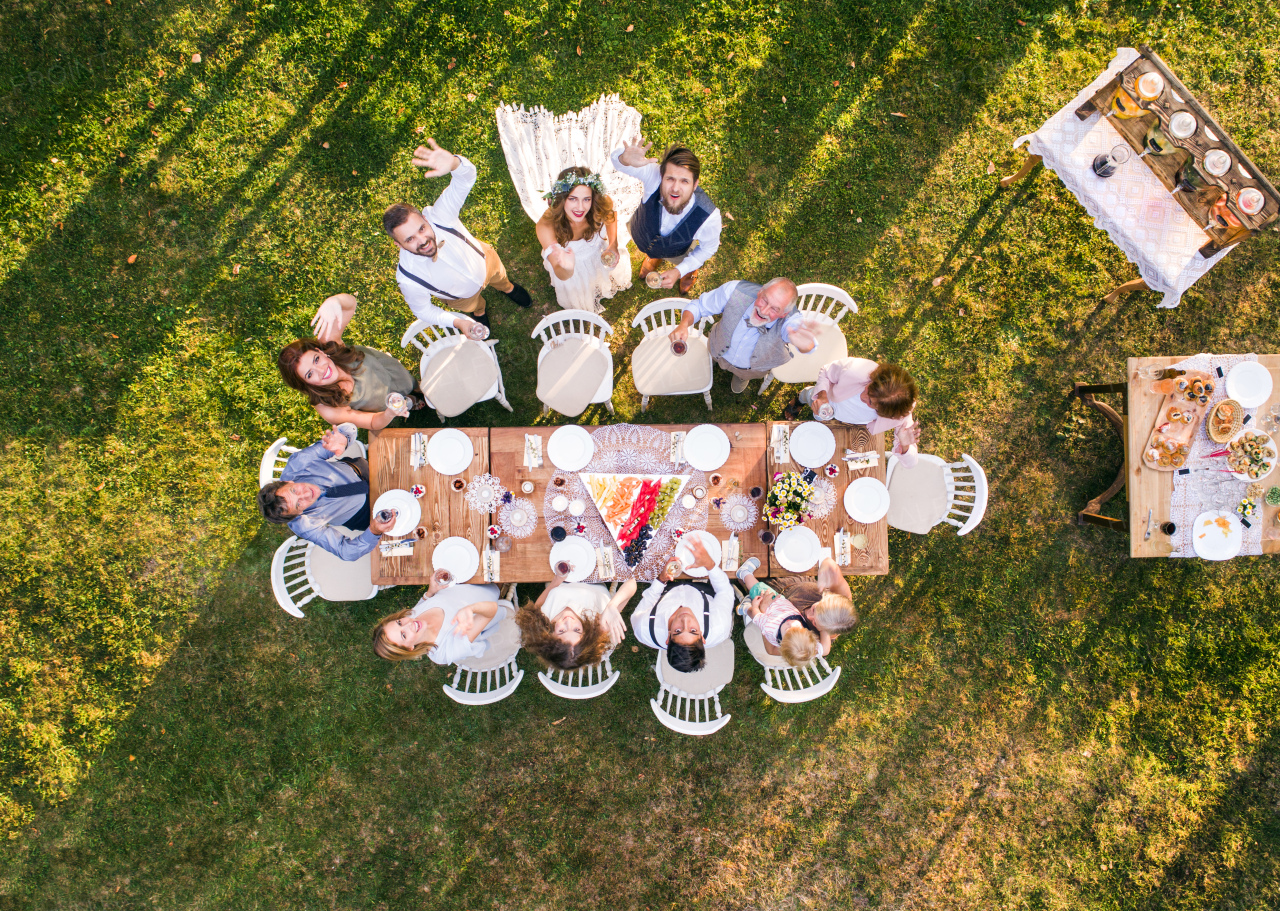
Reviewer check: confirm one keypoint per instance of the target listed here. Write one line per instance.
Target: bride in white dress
(541, 149)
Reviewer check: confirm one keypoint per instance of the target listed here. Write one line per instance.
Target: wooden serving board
(1181, 433)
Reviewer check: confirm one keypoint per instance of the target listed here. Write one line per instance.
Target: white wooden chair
(964, 489)
(583, 682)
(655, 370)
(493, 676)
(830, 304)
(784, 682)
(575, 365)
(301, 571)
(453, 376)
(277, 454)
(690, 703)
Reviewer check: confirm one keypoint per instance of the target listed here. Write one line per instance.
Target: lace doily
(484, 492)
(1133, 207)
(628, 449)
(518, 518)
(823, 499)
(737, 503)
(1203, 490)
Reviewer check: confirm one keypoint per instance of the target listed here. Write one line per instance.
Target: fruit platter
(633, 506)
(1186, 399)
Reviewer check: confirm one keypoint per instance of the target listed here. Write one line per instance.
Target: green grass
(1026, 718)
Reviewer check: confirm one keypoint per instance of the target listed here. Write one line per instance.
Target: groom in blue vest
(676, 221)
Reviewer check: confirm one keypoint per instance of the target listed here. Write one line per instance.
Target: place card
(532, 450)
(402, 547)
(781, 443)
(605, 570)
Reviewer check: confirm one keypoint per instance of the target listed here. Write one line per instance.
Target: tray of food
(1251, 455)
(1186, 399)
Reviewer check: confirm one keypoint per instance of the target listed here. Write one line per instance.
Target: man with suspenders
(686, 617)
(440, 260)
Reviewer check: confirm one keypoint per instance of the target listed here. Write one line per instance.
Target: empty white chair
(583, 682)
(829, 305)
(575, 365)
(277, 454)
(784, 682)
(655, 369)
(935, 491)
(690, 703)
(455, 372)
(494, 675)
(301, 571)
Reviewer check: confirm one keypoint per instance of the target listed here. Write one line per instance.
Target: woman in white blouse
(574, 624)
(449, 624)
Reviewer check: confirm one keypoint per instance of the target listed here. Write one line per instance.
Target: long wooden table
(445, 513)
(857, 438)
(1149, 489)
(500, 451)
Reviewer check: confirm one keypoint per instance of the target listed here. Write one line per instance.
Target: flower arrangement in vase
(787, 503)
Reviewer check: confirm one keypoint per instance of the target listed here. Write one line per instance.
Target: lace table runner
(1203, 490)
(629, 449)
(1133, 207)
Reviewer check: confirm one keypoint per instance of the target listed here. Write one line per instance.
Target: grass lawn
(1026, 718)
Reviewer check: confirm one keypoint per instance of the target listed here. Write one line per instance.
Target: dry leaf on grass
(324, 145)
(418, 129)
(133, 258)
(859, 221)
(729, 216)
(186, 110)
(562, 719)
(896, 114)
(836, 83)
(579, 50)
(235, 270)
(453, 61)
(342, 85)
(937, 281)
(195, 58)
(471, 96)
(991, 167)
(631, 28)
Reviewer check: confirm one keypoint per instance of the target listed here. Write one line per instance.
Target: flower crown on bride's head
(565, 184)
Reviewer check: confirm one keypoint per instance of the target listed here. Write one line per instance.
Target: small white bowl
(560, 504)
(577, 508)
(688, 501)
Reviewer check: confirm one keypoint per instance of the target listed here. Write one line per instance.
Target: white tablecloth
(1132, 206)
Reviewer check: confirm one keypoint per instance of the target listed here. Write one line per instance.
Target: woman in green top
(345, 383)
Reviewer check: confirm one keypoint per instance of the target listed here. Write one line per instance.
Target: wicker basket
(1228, 430)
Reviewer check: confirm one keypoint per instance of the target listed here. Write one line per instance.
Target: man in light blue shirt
(757, 324)
(315, 496)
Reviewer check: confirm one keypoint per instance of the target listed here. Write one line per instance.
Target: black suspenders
(426, 284)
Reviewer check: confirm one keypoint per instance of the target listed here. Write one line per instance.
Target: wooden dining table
(874, 559)
(500, 452)
(1151, 489)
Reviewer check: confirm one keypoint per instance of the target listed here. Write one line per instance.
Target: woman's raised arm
(333, 316)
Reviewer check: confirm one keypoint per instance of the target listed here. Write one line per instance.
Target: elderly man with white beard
(756, 324)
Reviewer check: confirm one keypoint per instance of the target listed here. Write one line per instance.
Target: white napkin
(605, 569)
(400, 548)
(532, 450)
(865, 462)
(843, 557)
(492, 565)
(729, 553)
(677, 446)
(781, 443)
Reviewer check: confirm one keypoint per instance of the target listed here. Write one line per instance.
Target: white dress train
(538, 145)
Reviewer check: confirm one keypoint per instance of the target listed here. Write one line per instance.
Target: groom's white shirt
(707, 236)
(457, 269)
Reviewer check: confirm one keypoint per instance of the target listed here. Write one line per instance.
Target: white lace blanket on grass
(1133, 207)
(1200, 491)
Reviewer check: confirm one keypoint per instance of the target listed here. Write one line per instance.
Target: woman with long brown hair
(579, 238)
(346, 383)
(574, 624)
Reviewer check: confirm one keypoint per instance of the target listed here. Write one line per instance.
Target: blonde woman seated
(579, 238)
(801, 624)
(450, 624)
(574, 624)
(346, 383)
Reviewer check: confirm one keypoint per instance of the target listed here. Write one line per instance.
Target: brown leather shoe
(686, 283)
(647, 266)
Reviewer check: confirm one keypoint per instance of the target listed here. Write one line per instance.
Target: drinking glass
(1105, 165)
(502, 543)
(609, 258)
(766, 537)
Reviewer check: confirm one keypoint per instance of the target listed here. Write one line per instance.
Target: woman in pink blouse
(856, 390)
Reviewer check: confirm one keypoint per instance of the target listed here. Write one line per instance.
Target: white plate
(570, 448)
(812, 444)
(797, 549)
(706, 447)
(866, 500)
(1208, 540)
(408, 511)
(684, 553)
(450, 451)
(579, 553)
(459, 556)
(1249, 383)
(1271, 463)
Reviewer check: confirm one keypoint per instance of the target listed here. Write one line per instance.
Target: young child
(803, 624)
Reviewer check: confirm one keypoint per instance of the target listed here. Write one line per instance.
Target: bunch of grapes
(634, 551)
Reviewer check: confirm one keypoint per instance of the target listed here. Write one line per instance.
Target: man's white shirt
(457, 269)
(661, 608)
(707, 236)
